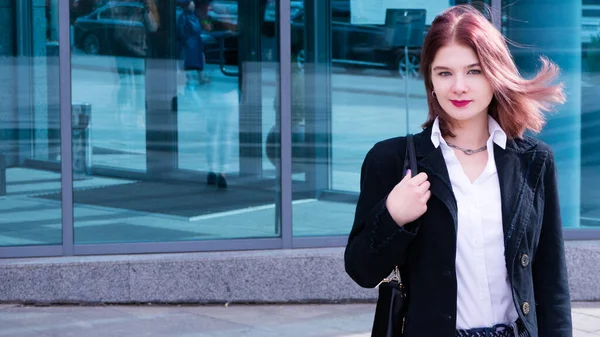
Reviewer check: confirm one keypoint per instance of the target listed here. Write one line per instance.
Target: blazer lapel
(519, 168)
(431, 161)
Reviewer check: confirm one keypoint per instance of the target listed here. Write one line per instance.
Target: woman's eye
(475, 71)
(444, 73)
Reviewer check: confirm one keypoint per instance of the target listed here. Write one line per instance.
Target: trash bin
(82, 145)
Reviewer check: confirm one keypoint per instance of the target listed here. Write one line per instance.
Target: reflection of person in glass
(476, 232)
(130, 48)
(219, 121)
(191, 46)
(202, 9)
(218, 129)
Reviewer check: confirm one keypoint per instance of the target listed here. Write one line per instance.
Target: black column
(250, 86)
(317, 104)
(161, 93)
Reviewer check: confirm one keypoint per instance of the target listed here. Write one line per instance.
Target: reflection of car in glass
(117, 28)
(296, 9)
(590, 23)
(224, 14)
(212, 47)
(82, 7)
(355, 47)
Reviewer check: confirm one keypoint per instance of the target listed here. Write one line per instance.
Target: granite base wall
(276, 276)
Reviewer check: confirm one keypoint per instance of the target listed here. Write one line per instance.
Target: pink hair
(518, 103)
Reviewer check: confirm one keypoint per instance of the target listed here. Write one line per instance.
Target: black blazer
(425, 250)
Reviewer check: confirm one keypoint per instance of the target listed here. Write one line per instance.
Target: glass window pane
(590, 115)
(29, 124)
(181, 102)
(360, 84)
(572, 40)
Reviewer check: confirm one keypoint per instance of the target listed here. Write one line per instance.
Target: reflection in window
(29, 124)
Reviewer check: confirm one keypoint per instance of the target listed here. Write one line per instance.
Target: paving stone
(586, 322)
(285, 320)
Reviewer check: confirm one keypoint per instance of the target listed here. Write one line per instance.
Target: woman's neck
(471, 134)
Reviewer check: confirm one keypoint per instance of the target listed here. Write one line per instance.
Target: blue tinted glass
(182, 100)
(354, 85)
(30, 124)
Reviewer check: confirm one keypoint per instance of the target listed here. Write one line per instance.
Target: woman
(477, 232)
(191, 46)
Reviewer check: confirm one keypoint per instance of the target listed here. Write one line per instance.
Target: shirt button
(525, 308)
(525, 260)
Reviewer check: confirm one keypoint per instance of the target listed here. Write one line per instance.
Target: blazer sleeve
(551, 284)
(376, 243)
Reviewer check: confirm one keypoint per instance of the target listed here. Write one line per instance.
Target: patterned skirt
(517, 329)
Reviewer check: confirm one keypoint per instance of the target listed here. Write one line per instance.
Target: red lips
(460, 104)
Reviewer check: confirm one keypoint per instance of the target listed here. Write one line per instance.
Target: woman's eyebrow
(446, 68)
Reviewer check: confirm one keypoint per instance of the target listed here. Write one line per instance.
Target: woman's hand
(408, 200)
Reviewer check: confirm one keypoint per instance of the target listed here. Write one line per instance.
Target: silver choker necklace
(468, 151)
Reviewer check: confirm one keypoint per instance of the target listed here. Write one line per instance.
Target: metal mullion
(64, 64)
(577, 234)
(497, 14)
(177, 246)
(24, 72)
(285, 94)
(320, 242)
(30, 251)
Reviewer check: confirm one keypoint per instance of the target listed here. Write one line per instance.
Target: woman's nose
(460, 85)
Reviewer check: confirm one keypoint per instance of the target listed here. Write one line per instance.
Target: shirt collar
(497, 135)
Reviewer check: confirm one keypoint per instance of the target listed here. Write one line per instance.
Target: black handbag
(391, 303)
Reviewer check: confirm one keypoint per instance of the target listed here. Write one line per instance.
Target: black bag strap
(410, 157)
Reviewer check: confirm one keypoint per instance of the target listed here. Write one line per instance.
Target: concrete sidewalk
(311, 320)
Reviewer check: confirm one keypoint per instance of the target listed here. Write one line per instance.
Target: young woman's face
(459, 83)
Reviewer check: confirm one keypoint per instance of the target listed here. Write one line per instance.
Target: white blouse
(484, 295)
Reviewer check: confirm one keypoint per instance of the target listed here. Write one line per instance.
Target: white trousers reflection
(219, 109)
(131, 99)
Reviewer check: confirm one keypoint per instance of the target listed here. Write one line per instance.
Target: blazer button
(525, 308)
(525, 260)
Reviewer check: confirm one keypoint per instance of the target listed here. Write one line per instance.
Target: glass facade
(153, 126)
(30, 124)
(590, 114)
(176, 130)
